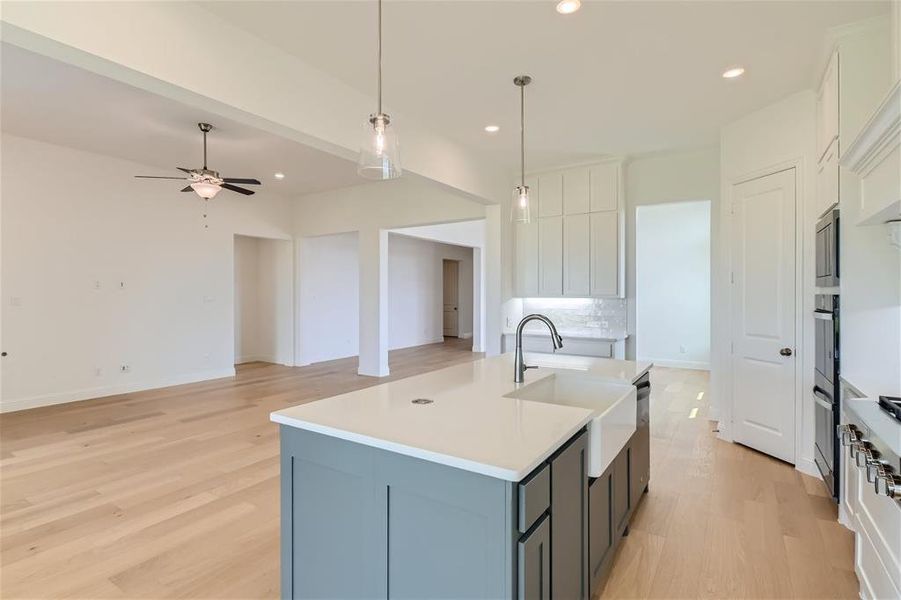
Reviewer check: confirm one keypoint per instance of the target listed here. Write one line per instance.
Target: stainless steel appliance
(826, 389)
(827, 243)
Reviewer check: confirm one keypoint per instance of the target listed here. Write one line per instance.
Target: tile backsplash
(596, 317)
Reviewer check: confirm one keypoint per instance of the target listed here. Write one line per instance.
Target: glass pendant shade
(520, 210)
(205, 189)
(379, 155)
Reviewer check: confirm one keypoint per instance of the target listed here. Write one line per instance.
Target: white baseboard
(261, 358)
(112, 390)
(677, 364)
(808, 467)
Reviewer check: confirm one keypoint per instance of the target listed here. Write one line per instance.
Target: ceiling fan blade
(158, 177)
(187, 189)
(240, 180)
(188, 171)
(235, 188)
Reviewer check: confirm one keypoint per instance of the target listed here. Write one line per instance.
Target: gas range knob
(873, 467)
(856, 448)
(847, 434)
(887, 483)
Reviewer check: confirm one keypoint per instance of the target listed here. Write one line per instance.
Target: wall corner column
(373, 247)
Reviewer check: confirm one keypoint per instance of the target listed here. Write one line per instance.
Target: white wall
(415, 286)
(329, 297)
(673, 284)
(776, 137)
(661, 178)
(92, 224)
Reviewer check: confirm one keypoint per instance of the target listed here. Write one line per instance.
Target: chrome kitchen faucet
(519, 367)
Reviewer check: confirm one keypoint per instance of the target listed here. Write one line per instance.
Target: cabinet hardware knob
(786, 352)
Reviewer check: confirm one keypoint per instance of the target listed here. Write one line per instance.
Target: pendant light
(519, 212)
(379, 157)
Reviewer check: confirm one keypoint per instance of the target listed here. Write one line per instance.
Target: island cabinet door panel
(533, 580)
(333, 519)
(640, 456)
(600, 530)
(450, 531)
(569, 514)
(621, 491)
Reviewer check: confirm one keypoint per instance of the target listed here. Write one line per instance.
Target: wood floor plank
(173, 493)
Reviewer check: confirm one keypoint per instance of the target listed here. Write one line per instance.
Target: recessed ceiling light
(492, 128)
(567, 7)
(279, 175)
(733, 72)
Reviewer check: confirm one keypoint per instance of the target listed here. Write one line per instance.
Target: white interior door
(763, 314)
(451, 299)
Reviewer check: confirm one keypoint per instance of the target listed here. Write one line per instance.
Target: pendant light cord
(380, 57)
(522, 135)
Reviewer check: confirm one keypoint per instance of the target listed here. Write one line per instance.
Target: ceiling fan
(205, 182)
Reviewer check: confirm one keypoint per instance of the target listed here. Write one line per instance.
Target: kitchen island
(460, 483)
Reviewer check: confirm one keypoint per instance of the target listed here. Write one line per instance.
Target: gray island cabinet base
(363, 522)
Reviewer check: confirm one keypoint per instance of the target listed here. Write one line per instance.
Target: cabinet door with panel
(550, 256)
(604, 187)
(621, 489)
(827, 179)
(569, 514)
(551, 188)
(576, 191)
(576, 255)
(604, 254)
(534, 562)
(827, 107)
(600, 531)
(525, 275)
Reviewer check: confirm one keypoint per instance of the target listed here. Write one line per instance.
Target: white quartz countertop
(470, 424)
(882, 425)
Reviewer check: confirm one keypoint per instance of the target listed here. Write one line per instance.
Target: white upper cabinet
(827, 107)
(604, 186)
(551, 187)
(550, 256)
(574, 245)
(575, 191)
(827, 180)
(576, 255)
(606, 263)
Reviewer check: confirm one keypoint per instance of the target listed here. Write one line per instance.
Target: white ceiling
(47, 100)
(613, 78)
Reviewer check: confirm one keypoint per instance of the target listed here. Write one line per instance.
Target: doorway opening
(451, 297)
(672, 284)
(263, 300)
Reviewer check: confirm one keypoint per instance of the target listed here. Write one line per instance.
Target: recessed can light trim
(492, 128)
(279, 175)
(733, 72)
(568, 7)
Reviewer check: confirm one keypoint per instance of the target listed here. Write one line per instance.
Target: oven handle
(823, 316)
(822, 398)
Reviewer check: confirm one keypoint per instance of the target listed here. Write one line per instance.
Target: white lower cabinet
(876, 522)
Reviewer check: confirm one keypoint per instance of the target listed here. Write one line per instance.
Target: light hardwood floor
(174, 493)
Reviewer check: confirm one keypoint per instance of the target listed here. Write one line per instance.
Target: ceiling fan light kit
(206, 182)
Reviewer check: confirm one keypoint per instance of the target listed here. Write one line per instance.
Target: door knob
(786, 352)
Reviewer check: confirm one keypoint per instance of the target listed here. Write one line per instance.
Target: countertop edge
(435, 457)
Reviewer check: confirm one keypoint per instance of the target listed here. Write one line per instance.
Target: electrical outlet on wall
(125, 368)
(98, 372)
(682, 349)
